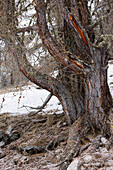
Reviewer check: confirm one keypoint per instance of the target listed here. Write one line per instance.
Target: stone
(2, 144)
(87, 158)
(8, 132)
(6, 139)
(14, 136)
(104, 140)
(73, 165)
(30, 150)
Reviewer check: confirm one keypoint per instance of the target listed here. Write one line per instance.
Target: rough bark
(92, 103)
(85, 96)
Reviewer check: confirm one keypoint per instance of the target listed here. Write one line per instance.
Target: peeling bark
(92, 103)
(85, 98)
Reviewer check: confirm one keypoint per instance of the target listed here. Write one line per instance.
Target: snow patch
(13, 102)
(28, 96)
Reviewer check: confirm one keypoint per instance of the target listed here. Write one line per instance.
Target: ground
(41, 144)
(49, 132)
(37, 142)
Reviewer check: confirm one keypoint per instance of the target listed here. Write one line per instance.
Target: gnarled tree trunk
(82, 88)
(93, 101)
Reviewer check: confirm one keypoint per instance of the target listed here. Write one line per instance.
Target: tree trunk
(87, 113)
(94, 101)
(81, 85)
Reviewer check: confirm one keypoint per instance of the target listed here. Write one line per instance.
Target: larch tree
(68, 35)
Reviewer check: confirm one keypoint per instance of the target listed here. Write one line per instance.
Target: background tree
(68, 42)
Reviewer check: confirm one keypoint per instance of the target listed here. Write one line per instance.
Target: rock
(1, 135)
(8, 132)
(87, 158)
(30, 150)
(2, 144)
(73, 165)
(6, 139)
(14, 136)
(104, 140)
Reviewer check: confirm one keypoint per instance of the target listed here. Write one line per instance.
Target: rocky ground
(33, 141)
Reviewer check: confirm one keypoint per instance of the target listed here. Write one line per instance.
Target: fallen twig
(43, 105)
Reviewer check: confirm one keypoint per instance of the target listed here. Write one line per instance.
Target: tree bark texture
(81, 85)
(93, 100)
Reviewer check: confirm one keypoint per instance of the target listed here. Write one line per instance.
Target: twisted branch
(55, 49)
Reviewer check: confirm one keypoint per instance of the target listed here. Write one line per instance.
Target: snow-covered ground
(12, 102)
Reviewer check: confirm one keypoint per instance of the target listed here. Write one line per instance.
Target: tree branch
(30, 28)
(101, 6)
(55, 49)
(39, 108)
(85, 50)
(25, 67)
(100, 19)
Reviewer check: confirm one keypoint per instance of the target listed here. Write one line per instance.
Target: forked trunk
(93, 102)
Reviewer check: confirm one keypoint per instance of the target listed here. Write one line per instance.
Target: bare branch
(29, 71)
(100, 19)
(85, 50)
(30, 28)
(101, 5)
(55, 50)
(43, 105)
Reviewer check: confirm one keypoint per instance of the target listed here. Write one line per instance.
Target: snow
(29, 95)
(110, 78)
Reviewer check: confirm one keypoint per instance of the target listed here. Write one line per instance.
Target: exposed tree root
(55, 142)
(30, 150)
(78, 141)
(73, 147)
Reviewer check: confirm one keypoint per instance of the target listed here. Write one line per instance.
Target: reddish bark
(87, 102)
(91, 69)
